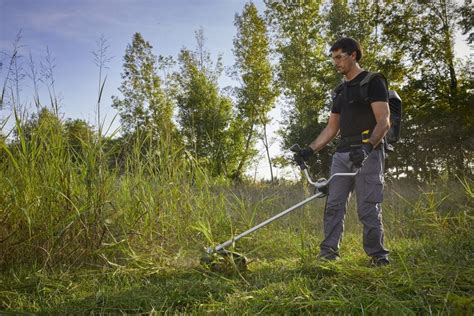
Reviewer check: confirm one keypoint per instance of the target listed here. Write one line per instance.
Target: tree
(256, 95)
(363, 21)
(79, 135)
(304, 71)
(466, 21)
(145, 105)
(204, 115)
(436, 90)
(43, 125)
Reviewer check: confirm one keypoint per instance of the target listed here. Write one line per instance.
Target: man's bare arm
(329, 132)
(382, 116)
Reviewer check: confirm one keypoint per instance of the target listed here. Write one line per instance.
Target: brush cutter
(217, 257)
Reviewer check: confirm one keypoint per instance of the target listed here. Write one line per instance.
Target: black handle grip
(295, 148)
(297, 158)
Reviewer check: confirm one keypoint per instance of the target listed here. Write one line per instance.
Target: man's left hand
(359, 155)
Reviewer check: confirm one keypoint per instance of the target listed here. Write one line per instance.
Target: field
(79, 237)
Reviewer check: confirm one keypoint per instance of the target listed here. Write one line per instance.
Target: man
(362, 124)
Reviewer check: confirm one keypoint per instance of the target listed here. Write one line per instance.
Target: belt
(351, 141)
(356, 140)
(347, 142)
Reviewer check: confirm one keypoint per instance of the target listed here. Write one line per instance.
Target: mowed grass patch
(419, 280)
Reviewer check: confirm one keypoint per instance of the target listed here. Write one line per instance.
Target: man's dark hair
(348, 45)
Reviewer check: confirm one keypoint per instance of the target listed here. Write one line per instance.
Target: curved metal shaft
(294, 207)
(324, 183)
(262, 224)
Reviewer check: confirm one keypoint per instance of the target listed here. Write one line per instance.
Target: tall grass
(61, 205)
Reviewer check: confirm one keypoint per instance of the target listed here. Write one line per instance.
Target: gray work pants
(368, 184)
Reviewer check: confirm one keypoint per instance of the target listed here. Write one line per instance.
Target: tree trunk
(238, 173)
(267, 149)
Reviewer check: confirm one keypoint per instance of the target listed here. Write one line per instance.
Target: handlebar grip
(297, 158)
(295, 148)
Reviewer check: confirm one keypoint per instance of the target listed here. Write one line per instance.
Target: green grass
(416, 283)
(432, 268)
(81, 237)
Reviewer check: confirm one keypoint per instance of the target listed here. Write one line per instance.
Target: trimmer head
(224, 261)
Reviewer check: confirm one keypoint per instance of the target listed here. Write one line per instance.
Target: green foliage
(204, 115)
(145, 105)
(255, 97)
(364, 21)
(303, 70)
(152, 266)
(466, 21)
(412, 44)
(437, 91)
(63, 203)
(78, 134)
(96, 224)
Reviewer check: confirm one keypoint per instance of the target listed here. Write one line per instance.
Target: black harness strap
(364, 84)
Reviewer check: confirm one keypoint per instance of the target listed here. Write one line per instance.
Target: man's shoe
(379, 261)
(328, 257)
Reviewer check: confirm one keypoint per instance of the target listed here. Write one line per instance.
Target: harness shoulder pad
(372, 75)
(364, 84)
(337, 90)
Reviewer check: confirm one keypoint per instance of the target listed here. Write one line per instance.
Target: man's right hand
(303, 155)
(306, 153)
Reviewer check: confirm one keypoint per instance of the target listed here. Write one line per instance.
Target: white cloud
(47, 21)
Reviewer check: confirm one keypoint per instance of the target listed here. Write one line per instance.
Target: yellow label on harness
(365, 136)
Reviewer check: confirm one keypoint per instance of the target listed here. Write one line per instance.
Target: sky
(70, 30)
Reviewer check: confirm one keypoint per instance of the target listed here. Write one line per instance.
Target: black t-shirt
(356, 114)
